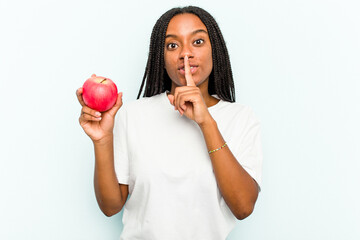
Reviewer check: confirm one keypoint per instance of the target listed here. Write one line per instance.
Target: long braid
(157, 81)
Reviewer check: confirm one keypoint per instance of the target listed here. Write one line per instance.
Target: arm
(238, 188)
(110, 195)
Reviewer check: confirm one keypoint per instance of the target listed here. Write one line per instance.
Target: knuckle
(78, 93)
(181, 99)
(86, 109)
(85, 116)
(82, 118)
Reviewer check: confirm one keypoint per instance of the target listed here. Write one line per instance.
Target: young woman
(188, 156)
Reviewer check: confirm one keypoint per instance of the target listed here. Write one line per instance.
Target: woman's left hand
(188, 100)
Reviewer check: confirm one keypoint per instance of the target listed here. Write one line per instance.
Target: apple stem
(103, 80)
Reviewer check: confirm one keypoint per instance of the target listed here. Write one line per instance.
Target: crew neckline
(209, 108)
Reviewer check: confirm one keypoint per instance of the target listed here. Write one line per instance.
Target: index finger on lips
(79, 96)
(188, 75)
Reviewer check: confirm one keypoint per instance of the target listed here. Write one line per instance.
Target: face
(187, 35)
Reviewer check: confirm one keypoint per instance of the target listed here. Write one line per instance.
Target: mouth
(193, 69)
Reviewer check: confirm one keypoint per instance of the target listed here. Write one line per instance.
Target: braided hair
(157, 80)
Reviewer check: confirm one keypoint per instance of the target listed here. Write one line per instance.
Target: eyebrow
(193, 33)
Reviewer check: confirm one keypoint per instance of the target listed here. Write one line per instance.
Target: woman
(167, 151)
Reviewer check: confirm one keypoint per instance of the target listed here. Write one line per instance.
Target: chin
(181, 81)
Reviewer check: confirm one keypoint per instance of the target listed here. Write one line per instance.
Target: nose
(186, 50)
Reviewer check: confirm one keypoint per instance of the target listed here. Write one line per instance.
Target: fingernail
(98, 114)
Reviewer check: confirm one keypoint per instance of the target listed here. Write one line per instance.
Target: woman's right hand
(97, 125)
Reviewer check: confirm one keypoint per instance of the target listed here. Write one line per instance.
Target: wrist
(108, 139)
(210, 122)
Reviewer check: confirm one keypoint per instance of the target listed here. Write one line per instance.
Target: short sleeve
(121, 159)
(247, 147)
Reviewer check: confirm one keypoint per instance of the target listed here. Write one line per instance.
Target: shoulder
(238, 111)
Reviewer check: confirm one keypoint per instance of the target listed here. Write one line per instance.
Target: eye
(199, 41)
(172, 46)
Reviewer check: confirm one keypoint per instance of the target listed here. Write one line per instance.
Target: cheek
(169, 63)
(209, 62)
(170, 69)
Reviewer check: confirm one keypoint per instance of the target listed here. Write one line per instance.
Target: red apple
(99, 93)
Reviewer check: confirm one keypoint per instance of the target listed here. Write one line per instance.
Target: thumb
(117, 105)
(171, 99)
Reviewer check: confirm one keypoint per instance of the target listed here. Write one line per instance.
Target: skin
(110, 195)
(186, 35)
(189, 95)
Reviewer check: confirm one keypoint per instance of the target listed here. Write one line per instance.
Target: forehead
(185, 23)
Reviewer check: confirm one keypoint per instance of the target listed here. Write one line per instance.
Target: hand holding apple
(99, 93)
(98, 125)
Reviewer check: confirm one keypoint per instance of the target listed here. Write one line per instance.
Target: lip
(183, 65)
(193, 69)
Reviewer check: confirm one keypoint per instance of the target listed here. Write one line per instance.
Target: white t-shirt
(164, 159)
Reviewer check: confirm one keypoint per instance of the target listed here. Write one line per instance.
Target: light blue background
(296, 63)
